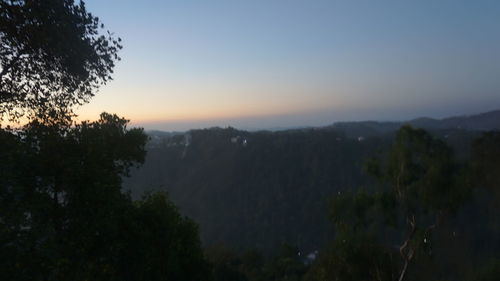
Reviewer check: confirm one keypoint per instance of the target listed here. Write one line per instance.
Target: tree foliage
(261, 195)
(486, 161)
(416, 192)
(157, 243)
(53, 55)
(353, 256)
(251, 265)
(64, 215)
(274, 189)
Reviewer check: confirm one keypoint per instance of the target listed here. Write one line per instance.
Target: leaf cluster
(53, 55)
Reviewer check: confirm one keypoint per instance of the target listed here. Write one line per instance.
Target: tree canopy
(64, 216)
(416, 192)
(53, 55)
(63, 213)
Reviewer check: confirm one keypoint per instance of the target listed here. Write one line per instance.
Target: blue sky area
(270, 63)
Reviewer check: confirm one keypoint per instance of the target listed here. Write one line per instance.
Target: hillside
(261, 189)
(479, 122)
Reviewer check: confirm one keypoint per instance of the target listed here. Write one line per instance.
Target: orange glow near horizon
(200, 114)
(183, 102)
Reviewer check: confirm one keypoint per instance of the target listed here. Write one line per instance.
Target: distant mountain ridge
(486, 121)
(478, 122)
(481, 122)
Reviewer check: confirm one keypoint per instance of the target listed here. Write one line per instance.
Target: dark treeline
(262, 189)
(256, 190)
(254, 194)
(65, 217)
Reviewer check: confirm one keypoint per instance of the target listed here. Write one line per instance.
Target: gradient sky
(269, 63)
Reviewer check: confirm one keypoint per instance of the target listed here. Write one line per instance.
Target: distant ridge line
(484, 121)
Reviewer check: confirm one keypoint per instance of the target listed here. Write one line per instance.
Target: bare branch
(408, 255)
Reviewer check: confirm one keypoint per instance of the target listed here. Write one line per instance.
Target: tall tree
(416, 191)
(53, 55)
(60, 190)
(419, 175)
(63, 215)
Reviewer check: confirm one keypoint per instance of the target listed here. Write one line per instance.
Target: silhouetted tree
(420, 175)
(157, 243)
(64, 215)
(417, 190)
(52, 56)
(61, 190)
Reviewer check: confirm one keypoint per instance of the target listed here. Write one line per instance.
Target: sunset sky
(269, 63)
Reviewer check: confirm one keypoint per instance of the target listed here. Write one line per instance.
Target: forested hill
(479, 122)
(260, 189)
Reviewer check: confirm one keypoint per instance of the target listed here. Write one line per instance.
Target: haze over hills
(478, 122)
(261, 189)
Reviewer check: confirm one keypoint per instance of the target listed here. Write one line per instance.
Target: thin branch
(398, 181)
(408, 256)
(409, 237)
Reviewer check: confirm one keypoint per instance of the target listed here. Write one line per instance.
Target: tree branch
(408, 255)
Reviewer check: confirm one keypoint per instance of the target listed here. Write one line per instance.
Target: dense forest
(257, 192)
(97, 200)
(255, 189)
(261, 189)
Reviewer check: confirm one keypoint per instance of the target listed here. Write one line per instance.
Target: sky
(257, 64)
